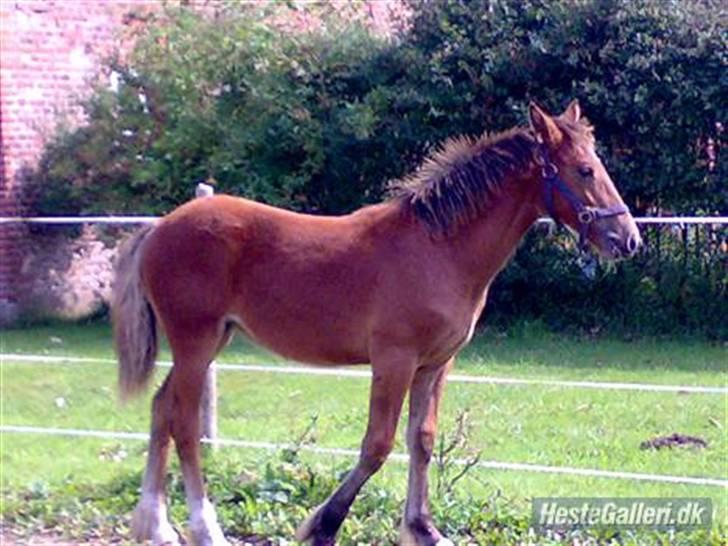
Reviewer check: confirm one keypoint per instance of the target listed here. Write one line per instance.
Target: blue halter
(585, 214)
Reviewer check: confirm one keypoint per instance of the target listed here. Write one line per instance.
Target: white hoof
(406, 538)
(204, 528)
(149, 522)
(208, 537)
(305, 530)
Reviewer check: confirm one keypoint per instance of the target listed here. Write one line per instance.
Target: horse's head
(577, 189)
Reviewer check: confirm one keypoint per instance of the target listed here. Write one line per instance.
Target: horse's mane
(459, 180)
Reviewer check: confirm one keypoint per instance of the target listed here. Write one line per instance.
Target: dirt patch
(9, 538)
(674, 440)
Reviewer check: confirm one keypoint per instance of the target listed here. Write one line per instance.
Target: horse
(399, 285)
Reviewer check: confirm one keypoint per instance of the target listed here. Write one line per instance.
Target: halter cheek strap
(586, 215)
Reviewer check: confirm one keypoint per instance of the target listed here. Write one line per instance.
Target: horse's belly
(304, 338)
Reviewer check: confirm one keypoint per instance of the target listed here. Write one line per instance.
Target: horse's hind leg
(193, 350)
(149, 521)
(391, 377)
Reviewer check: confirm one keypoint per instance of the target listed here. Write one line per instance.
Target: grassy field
(595, 429)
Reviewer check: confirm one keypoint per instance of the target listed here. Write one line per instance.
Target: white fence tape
(77, 219)
(147, 219)
(300, 370)
(453, 378)
(400, 457)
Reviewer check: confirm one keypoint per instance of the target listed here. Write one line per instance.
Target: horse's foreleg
(391, 378)
(417, 526)
(149, 521)
(192, 355)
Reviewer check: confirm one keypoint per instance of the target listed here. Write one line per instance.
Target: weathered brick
(49, 49)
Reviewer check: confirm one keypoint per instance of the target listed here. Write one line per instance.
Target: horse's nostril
(633, 243)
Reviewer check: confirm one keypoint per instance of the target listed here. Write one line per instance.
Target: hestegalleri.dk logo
(554, 513)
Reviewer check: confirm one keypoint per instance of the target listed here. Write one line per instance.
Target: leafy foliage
(650, 74)
(273, 116)
(319, 121)
(264, 507)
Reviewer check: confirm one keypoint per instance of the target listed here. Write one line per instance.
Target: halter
(585, 214)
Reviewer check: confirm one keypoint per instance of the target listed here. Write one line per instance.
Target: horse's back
(298, 284)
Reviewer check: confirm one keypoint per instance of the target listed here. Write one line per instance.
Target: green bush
(649, 73)
(291, 120)
(677, 285)
(320, 121)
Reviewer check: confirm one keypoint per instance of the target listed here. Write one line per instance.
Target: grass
(535, 424)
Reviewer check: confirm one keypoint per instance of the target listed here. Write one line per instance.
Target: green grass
(527, 351)
(533, 424)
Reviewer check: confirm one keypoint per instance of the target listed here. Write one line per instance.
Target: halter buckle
(587, 216)
(549, 170)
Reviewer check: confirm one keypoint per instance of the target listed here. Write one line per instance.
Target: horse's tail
(135, 328)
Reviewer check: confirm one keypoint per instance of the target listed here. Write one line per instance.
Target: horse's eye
(586, 172)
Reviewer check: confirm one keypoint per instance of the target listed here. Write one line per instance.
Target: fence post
(208, 403)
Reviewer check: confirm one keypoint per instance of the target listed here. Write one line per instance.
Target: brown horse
(399, 285)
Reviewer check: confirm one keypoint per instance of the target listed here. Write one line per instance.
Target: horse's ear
(544, 126)
(573, 111)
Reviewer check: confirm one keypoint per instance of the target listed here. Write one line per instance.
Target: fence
(401, 457)
(209, 402)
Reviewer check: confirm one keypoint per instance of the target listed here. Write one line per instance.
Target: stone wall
(66, 277)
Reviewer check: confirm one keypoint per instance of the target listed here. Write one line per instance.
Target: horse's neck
(487, 245)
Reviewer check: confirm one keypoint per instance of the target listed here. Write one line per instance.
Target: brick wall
(49, 51)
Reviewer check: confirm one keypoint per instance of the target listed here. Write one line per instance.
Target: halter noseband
(585, 214)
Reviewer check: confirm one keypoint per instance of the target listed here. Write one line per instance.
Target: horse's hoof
(309, 532)
(149, 522)
(204, 528)
(207, 538)
(305, 531)
(208, 541)
(427, 536)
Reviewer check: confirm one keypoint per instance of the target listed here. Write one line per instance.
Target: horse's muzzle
(625, 246)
